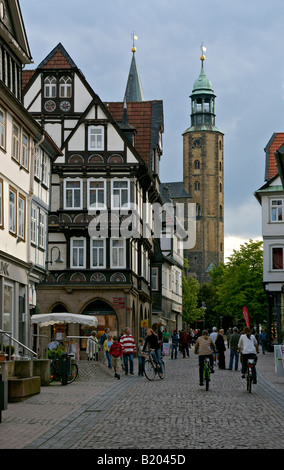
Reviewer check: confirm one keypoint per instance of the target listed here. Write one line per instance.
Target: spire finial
(203, 49)
(134, 38)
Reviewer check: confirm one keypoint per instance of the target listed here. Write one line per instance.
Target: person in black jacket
(221, 348)
(152, 343)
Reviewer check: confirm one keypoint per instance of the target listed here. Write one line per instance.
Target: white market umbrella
(46, 319)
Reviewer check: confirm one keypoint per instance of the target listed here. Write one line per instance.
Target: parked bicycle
(57, 375)
(250, 373)
(152, 368)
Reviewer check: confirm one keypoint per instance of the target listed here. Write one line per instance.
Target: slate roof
(134, 91)
(174, 190)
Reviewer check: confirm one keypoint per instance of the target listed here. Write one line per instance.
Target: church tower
(203, 178)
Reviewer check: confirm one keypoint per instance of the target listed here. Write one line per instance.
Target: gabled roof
(273, 145)
(58, 58)
(12, 30)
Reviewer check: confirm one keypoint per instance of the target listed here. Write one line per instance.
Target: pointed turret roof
(134, 91)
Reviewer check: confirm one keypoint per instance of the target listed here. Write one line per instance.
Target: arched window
(65, 87)
(197, 186)
(50, 87)
(197, 165)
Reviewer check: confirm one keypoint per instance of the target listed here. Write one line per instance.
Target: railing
(39, 346)
(8, 334)
(70, 338)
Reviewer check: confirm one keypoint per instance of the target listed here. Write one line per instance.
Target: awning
(157, 320)
(46, 319)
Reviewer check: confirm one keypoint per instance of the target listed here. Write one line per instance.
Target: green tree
(239, 283)
(190, 310)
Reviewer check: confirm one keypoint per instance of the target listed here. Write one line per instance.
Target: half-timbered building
(100, 224)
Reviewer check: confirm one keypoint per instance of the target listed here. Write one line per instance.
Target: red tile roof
(26, 76)
(274, 144)
(57, 61)
(139, 116)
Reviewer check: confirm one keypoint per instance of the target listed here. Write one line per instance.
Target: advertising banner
(246, 316)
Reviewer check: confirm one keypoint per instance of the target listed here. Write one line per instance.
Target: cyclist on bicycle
(204, 347)
(248, 346)
(153, 343)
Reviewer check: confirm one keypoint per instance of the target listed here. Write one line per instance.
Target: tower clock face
(196, 144)
(65, 106)
(49, 106)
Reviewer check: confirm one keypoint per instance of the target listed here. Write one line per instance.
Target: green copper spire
(134, 91)
(202, 102)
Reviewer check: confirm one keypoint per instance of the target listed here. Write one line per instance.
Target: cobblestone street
(99, 412)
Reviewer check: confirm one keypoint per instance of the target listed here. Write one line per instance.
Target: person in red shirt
(116, 351)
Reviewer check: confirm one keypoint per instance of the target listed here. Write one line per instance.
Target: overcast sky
(244, 61)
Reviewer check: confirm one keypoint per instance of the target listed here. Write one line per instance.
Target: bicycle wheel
(149, 370)
(249, 382)
(207, 377)
(73, 373)
(162, 374)
(52, 372)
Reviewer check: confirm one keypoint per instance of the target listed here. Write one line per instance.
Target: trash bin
(3, 396)
(64, 367)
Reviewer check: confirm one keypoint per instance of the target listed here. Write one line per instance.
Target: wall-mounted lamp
(58, 259)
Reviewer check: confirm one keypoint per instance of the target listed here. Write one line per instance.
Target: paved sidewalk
(66, 417)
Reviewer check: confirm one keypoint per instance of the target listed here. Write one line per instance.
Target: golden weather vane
(203, 49)
(134, 38)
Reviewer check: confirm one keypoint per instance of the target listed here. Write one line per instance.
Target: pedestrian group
(120, 350)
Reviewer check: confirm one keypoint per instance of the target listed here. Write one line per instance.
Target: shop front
(13, 300)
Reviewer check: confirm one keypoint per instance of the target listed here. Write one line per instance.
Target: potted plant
(2, 353)
(9, 351)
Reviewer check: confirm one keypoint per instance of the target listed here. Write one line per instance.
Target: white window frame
(78, 250)
(45, 168)
(97, 204)
(12, 211)
(21, 216)
(2, 128)
(37, 162)
(41, 228)
(96, 138)
(155, 278)
(116, 194)
(118, 252)
(100, 249)
(50, 85)
(34, 224)
(16, 136)
(80, 189)
(65, 87)
(25, 150)
(276, 210)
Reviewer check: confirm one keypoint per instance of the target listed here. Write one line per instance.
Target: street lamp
(58, 259)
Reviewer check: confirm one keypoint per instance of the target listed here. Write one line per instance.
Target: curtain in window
(277, 258)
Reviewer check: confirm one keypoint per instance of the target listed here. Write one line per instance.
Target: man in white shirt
(213, 336)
